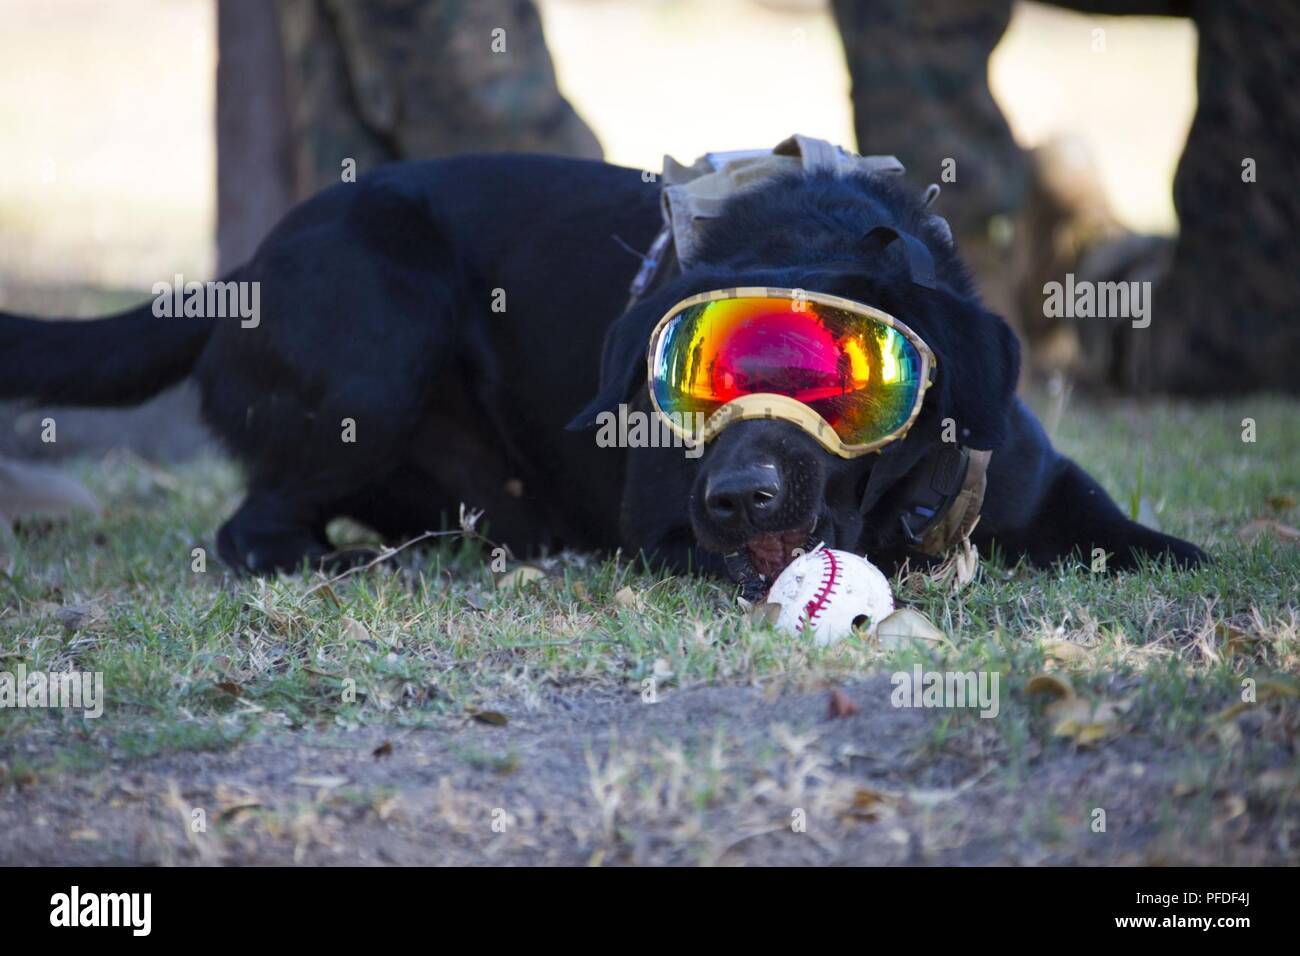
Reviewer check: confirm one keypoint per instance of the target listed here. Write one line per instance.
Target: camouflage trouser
(1225, 318)
(920, 91)
(381, 80)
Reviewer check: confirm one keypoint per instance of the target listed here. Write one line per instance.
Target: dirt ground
(703, 776)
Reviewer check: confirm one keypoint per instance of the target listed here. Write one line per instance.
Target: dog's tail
(119, 360)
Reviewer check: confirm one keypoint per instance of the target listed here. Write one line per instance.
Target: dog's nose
(738, 494)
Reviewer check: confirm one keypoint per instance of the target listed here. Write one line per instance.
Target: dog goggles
(851, 376)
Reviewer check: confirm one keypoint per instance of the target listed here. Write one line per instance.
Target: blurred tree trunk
(309, 91)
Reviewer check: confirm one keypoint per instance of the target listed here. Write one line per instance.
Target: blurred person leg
(304, 85)
(1227, 317)
(382, 80)
(919, 70)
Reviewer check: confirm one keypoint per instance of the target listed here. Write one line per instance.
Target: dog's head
(763, 488)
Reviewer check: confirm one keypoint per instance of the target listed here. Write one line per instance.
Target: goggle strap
(934, 483)
(920, 264)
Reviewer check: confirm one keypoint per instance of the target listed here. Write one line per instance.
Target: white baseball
(830, 592)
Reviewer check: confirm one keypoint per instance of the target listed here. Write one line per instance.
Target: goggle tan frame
(770, 405)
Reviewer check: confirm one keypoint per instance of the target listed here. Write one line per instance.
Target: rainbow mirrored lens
(857, 372)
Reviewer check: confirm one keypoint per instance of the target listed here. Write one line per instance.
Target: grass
(200, 661)
(434, 635)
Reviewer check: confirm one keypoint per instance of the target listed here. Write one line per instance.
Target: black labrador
(446, 332)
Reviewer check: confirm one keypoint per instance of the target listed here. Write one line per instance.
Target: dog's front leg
(1041, 505)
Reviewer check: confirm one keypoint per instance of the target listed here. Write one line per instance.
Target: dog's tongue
(770, 553)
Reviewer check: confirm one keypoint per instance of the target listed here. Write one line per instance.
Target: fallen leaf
(325, 782)
(870, 805)
(228, 687)
(1284, 502)
(1252, 531)
(1052, 685)
(906, 625)
(1063, 651)
(840, 705)
(765, 612)
(327, 592)
(234, 810)
(1235, 642)
(1231, 806)
(76, 617)
(491, 717)
(521, 576)
(383, 750)
(966, 562)
(626, 597)
(1085, 721)
(351, 629)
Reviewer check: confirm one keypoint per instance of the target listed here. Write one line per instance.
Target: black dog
(427, 333)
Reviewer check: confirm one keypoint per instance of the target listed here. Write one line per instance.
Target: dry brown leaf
(764, 613)
(966, 562)
(1230, 806)
(905, 625)
(870, 805)
(491, 717)
(1053, 685)
(383, 750)
(234, 811)
(77, 617)
(626, 597)
(1254, 530)
(1235, 642)
(1282, 502)
(351, 629)
(840, 705)
(327, 592)
(1085, 721)
(519, 577)
(1064, 652)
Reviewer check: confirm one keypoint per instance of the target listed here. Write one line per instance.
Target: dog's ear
(978, 371)
(622, 364)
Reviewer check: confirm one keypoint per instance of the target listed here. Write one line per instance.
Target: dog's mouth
(761, 559)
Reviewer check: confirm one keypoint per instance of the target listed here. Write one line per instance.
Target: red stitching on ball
(818, 602)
